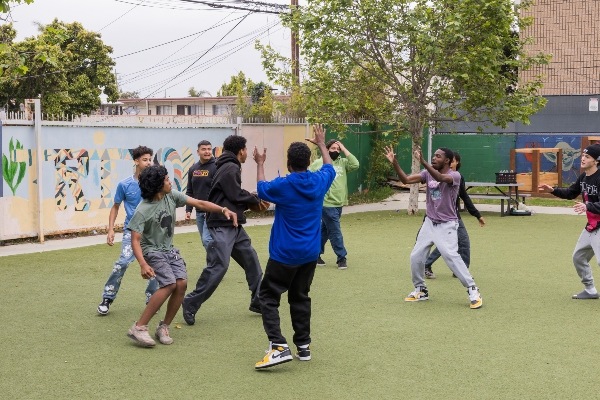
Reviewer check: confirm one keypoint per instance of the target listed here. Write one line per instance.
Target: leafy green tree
(254, 100)
(5, 4)
(424, 60)
(65, 65)
(192, 92)
(129, 95)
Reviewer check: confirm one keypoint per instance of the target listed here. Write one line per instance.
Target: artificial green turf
(530, 340)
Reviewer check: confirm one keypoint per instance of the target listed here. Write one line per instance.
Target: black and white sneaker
(303, 353)
(320, 262)
(104, 306)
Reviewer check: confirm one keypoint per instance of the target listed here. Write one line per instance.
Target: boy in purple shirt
(440, 224)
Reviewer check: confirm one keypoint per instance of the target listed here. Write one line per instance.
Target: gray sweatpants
(444, 237)
(587, 245)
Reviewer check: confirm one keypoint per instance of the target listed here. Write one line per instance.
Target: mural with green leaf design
(13, 171)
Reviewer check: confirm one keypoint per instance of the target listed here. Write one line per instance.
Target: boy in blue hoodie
(294, 245)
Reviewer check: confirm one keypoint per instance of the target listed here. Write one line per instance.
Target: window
(221, 109)
(163, 110)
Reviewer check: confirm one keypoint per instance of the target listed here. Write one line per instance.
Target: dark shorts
(168, 266)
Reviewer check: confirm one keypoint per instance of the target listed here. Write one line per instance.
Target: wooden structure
(530, 182)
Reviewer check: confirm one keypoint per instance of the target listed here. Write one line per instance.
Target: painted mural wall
(81, 167)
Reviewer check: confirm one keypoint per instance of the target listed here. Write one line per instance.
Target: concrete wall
(81, 167)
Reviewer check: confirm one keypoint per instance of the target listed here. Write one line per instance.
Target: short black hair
(140, 151)
(330, 143)
(457, 158)
(448, 153)
(204, 143)
(298, 156)
(152, 180)
(234, 144)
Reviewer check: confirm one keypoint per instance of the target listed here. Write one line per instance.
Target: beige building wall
(568, 30)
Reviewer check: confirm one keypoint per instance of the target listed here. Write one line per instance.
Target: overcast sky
(130, 26)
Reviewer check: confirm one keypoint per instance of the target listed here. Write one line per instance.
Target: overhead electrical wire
(160, 67)
(207, 64)
(122, 15)
(199, 58)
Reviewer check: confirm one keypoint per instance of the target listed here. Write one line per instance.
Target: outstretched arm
(319, 140)
(207, 206)
(406, 179)
(260, 163)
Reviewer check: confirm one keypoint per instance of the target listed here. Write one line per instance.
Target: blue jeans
(111, 288)
(331, 230)
(464, 247)
(203, 229)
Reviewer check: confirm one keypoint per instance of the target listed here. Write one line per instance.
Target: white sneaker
(162, 333)
(475, 297)
(141, 336)
(277, 354)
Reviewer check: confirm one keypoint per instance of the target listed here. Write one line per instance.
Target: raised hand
(389, 153)
(319, 132)
(259, 158)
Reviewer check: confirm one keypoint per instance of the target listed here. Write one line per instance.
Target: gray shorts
(168, 266)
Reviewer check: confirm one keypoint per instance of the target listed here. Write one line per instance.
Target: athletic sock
(591, 290)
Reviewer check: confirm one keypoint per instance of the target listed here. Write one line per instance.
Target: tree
(65, 65)
(254, 100)
(427, 61)
(5, 4)
(192, 92)
(129, 95)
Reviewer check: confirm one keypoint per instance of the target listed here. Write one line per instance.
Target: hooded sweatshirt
(226, 191)
(296, 233)
(338, 194)
(199, 179)
(589, 189)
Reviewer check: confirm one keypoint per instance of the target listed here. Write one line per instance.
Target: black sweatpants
(228, 242)
(296, 280)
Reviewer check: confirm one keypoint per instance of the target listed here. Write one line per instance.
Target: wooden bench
(500, 197)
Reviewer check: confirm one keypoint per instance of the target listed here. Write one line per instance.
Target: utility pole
(295, 48)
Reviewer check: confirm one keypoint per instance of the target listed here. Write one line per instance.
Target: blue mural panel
(571, 149)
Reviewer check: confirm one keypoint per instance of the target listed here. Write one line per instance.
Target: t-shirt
(128, 191)
(155, 221)
(296, 232)
(441, 197)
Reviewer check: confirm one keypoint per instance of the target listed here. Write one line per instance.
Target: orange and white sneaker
(277, 354)
(475, 297)
(419, 294)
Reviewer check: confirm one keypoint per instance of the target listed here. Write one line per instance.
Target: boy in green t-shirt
(152, 227)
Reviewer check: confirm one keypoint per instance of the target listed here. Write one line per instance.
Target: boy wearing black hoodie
(588, 245)
(228, 241)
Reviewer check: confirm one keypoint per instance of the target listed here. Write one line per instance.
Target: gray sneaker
(342, 264)
(140, 335)
(162, 333)
(585, 295)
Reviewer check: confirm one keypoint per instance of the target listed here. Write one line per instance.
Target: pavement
(397, 202)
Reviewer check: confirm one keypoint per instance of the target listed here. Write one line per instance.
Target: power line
(125, 13)
(175, 40)
(198, 59)
(208, 63)
(165, 66)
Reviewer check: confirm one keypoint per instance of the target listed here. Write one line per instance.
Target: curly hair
(234, 144)
(298, 156)
(152, 180)
(140, 151)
